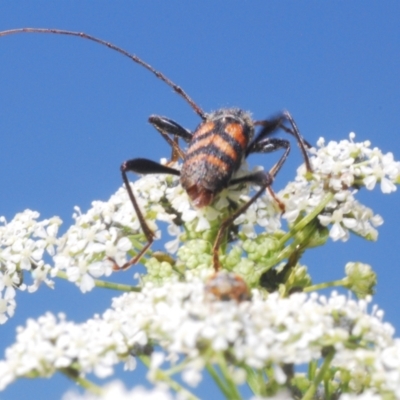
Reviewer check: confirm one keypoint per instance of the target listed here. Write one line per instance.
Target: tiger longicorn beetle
(215, 150)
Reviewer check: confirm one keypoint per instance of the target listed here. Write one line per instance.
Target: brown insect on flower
(226, 286)
(215, 150)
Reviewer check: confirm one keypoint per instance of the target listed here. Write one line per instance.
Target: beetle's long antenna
(133, 57)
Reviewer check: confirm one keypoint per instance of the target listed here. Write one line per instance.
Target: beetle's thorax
(215, 153)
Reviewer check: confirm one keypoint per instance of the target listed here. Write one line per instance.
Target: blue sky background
(71, 111)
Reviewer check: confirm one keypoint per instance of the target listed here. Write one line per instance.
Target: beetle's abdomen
(214, 154)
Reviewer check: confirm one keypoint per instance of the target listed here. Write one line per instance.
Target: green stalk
(217, 379)
(164, 377)
(288, 250)
(312, 369)
(85, 383)
(307, 219)
(309, 395)
(255, 380)
(231, 385)
(325, 285)
(106, 284)
(116, 286)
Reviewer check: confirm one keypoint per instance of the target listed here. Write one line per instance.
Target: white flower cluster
(340, 169)
(116, 391)
(180, 318)
(23, 243)
(110, 231)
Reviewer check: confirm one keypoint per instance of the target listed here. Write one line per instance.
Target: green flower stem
(325, 285)
(307, 219)
(256, 381)
(312, 369)
(301, 238)
(137, 244)
(86, 384)
(106, 284)
(178, 368)
(164, 377)
(116, 286)
(299, 233)
(217, 379)
(309, 395)
(231, 385)
(292, 247)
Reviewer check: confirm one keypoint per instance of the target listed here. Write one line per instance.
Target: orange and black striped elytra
(215, 153)
(215, 150)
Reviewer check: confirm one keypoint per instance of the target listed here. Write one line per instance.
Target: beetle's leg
(270, 126)
(262, 179)
(167, 127)
(269, 145)
(144, 167)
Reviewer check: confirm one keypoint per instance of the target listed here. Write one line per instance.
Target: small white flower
(191, 376)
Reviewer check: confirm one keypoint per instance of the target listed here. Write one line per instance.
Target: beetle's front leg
(168, 127)
(141, 166)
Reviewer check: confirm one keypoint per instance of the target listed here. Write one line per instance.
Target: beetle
(215, 151)
(227, 286)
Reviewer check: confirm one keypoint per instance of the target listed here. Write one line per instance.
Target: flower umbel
(261, 333)
(254, 322)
